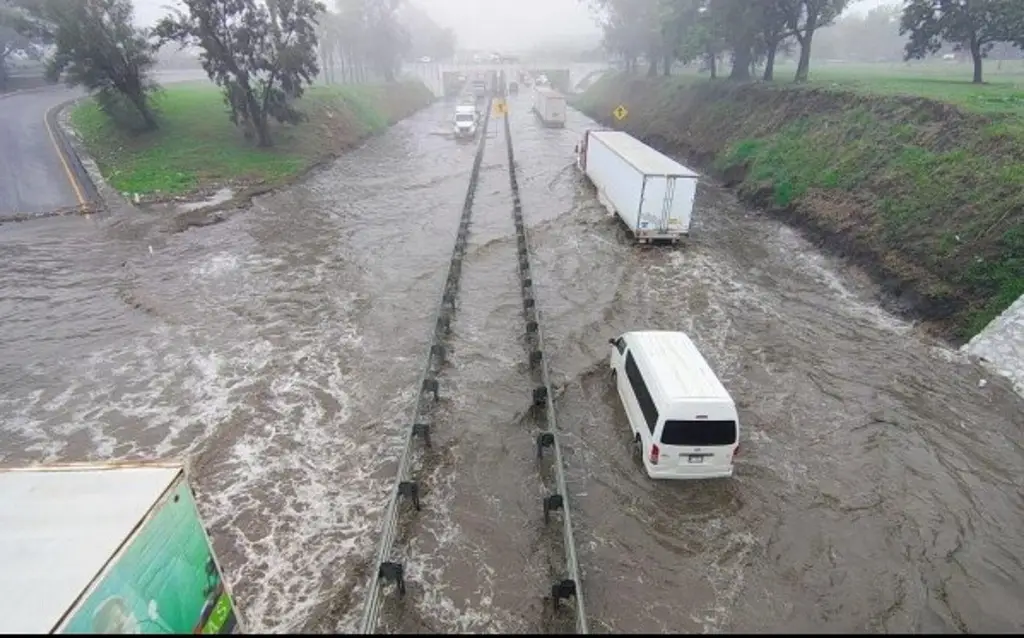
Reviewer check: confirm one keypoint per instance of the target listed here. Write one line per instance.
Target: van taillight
(655, 454)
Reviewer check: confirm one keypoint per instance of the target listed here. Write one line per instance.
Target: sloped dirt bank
(927, 198)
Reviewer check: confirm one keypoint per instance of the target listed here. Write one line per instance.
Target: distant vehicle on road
(465, 121)
(480, 89)
(684, 423)
(425, 59)
(550, 107)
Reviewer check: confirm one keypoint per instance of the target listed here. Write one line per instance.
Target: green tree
(974, 26)
(369, 38)
(427, 38)
(775, 30)
(872, 37)
(328, 35)
(98, 47)
(387, 41)
(681, 32)
(739, 23)
(22, 30)
(809, 16)
(262, 62)
(635, 28)
(343, 43)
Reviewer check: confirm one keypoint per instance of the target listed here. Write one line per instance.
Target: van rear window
(698, 433)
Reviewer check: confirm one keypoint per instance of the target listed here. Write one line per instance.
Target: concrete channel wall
(1000, 346)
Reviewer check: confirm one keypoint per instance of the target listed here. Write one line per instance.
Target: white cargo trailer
(652, 193)
(549, 105)
(115, 548)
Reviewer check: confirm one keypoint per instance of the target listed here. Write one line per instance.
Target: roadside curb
(34, 89)
(86, 169)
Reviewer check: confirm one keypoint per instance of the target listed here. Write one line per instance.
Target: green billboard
(164, 582)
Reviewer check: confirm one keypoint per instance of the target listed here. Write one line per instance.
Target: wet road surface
(33, 177)
(877, 487)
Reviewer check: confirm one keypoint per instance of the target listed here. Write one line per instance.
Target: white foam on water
(297, 494)
(428, 568)
(218, 264)
(292, 497)
(814, 263)
(726, 571)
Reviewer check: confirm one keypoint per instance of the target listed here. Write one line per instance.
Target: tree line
(363, 40)
(875, 36)
(751, 34)
(262, 53)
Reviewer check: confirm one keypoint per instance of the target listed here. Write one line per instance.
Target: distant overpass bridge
(564, 77)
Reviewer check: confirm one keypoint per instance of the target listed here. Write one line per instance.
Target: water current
(877, 488)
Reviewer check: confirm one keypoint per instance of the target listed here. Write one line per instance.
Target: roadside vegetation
(262, 121)
(22, 36)
(263, 54)
(196, 149)
(912, 167)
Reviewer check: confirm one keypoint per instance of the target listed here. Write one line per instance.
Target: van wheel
(638, 447)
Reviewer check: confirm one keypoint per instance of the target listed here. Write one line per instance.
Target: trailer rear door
(653, 218)
(667, 204)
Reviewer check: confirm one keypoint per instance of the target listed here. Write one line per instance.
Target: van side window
(643, 397)
(620, 343)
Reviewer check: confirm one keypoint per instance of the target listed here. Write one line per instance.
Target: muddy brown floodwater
(877, 488)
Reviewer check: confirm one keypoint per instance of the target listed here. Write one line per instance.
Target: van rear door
(701, 444)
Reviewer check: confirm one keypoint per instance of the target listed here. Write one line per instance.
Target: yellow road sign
(500, 108)
(620, 112)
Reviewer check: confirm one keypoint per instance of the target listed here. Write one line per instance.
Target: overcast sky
(495, 24)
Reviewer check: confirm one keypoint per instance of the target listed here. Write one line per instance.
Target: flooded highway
(877, 486)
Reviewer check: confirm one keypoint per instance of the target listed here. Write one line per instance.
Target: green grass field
(1002, 93)
(197, 146)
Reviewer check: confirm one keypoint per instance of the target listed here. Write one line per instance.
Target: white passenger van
(683, 420)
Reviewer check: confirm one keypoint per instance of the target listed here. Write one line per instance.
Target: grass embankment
(926, 194)
(197, 148)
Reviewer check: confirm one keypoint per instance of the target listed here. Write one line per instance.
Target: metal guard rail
(570, 586)
(406, 484)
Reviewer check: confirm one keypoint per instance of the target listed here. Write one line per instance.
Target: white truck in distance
(650, 192)
(465, 121)
(549, 105)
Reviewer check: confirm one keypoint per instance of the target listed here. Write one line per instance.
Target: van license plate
(696, 458)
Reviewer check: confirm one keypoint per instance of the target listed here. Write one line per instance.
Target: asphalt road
(33, 177)
(37, 173)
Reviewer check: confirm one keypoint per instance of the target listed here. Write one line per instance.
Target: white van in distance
(683, 420)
